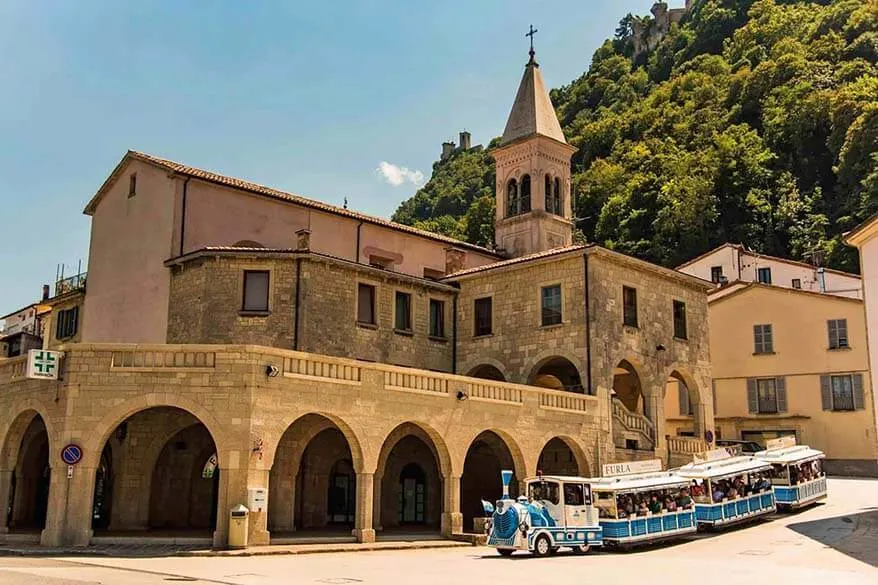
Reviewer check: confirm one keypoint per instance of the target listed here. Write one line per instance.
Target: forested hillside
(751, 121)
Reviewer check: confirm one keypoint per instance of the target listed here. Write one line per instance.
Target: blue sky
(310, 97)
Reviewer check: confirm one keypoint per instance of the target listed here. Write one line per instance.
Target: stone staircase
(631, 427)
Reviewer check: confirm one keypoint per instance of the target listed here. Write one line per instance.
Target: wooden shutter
(752, 396)
(859, 398)
(683, 397)
(780, 390)
(833, 333)
(74, 318)
(713, 392)
(826, 392)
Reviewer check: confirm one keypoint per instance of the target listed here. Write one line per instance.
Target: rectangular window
(132, 185)
(366, 304)
(838, 333)
(766, 392)
(437, 318)
(67, 323)
(551, 304)
(629, 306)
(403, 319)
(680, 320)
(255, 291)
(797, 283)
(766, 395)
(763, 339)
(763, 275)
(716, 274)
(483, 317)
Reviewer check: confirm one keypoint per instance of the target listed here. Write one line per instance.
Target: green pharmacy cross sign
(43, 364)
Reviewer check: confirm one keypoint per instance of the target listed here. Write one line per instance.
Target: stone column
(5, 488)
(283, 499)
(656, 406)
(69, 517)
(452, 519)
(376, 502)
(258, 530)
(363, 530)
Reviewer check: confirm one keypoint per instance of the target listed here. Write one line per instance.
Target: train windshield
(546, 491)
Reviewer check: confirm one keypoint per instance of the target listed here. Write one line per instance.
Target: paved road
(835, 543)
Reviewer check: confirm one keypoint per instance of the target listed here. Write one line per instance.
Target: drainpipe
(359, 225)
(454, 333)
(587, 328)
(183, 216)
(298, 303)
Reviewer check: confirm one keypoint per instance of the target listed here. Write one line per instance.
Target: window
(680, 320)
(132, 185)
(629, 306)
(763, 339)
(483, 317)
(797, 283)
(838, 333)
(763, 275)
(518, 196)
(550, 300)
(365, 304)
(686, 406)
(550, 201)
(437, 318)
(553, 195)
(545, 491)
(255, 291)
(844, 392)
(573, 494)
(403, 313)
(558, 208)
(716, 274)
(766, 395)
(68, 321)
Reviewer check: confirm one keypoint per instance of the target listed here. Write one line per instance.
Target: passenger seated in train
(643, 504)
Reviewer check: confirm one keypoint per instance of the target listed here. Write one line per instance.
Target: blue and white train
(797, 475)
(556, 512)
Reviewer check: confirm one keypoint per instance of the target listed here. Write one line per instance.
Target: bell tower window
(557, 209)
(518, 197)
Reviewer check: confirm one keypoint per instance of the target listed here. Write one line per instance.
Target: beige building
(336, 372)
(790, 362)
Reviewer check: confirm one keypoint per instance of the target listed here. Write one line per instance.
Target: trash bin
(239, 525)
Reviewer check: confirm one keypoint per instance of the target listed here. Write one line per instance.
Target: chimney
(45, 292)
(465, 139)
(303, 240)
(447, 150)
(454, 260)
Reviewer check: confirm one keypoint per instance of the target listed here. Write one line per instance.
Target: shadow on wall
(855, 535)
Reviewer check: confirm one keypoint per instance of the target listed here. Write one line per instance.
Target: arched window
(524, 204)
(512, 198)
(550, 201)
(558, 210)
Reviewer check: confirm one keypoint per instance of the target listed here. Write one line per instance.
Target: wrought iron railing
(71, 283)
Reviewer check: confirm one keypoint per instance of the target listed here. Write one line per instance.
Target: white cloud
(396, 175)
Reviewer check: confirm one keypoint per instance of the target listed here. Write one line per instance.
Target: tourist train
(637, 503)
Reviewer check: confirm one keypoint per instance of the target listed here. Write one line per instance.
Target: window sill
(681, 339)
(483, 336)
(552, 325)
(371, 326)
(404, 332)
(843, 410)
(763, 353)
(243, 313)
(845, 348)
(438, 339)
(630, 328)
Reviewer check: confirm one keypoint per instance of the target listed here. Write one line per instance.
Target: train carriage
(729, 489)
(797, 475)
(642, 507)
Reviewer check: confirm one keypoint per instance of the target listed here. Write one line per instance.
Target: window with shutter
(437, 318)
(838, 333)
(763, 339)
(780, 386)
(842, 393)
(826, 392)
(365, 304)
(752, 396)
(859, 395)
(766, 393)
(403, 320)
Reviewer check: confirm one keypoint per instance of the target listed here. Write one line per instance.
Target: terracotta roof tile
(519, 260)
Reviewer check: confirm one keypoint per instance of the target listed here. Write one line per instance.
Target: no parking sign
(71, 454)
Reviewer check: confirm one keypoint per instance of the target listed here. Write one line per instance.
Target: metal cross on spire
(531, 34)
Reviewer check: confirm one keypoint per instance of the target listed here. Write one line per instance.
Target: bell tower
(534, 211)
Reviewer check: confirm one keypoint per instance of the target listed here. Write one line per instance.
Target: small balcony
(72, 283)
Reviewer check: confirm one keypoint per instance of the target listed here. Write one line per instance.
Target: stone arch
(699, 398)
(487, 372)
(13, 430)
(361, 455)
(629, 386)
(402, 494)
(301, 489)
(488, 453)
(563, 455)
(158, 451)
(557, 372)
(29, 449)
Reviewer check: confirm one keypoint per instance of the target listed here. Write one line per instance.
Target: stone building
(372, 378)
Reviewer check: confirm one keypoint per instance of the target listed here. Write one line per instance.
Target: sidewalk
(142, 550)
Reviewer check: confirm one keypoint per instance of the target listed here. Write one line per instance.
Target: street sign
(71, 454)
(42, 364)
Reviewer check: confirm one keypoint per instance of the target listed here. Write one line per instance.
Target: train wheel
(581, 549)
(505, 552)
(542, 546)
